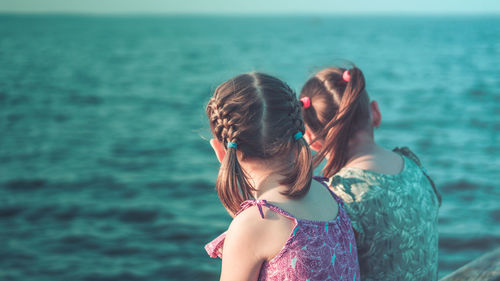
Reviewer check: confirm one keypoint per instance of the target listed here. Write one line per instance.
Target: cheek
(317, 145)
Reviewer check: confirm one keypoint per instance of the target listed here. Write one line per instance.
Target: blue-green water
(105, 168)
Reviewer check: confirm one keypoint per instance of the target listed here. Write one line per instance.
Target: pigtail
(232, 184)
(300, 176)
(340, 129)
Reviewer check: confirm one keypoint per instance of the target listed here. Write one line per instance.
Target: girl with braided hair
(389, 197)
(286, 226)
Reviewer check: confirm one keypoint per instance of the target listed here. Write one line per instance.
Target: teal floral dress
(395, 217)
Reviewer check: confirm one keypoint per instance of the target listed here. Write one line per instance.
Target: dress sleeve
(354, 209)
(214, 248)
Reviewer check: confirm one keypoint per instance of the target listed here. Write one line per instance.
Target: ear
(376, 116)
(317, 145)
(218, 148)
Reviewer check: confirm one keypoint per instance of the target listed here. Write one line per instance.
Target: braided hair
(263, 116)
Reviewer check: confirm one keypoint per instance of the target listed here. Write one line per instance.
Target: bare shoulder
(380, 161)
(247, 222)
(321, 203)
(242, 251)
(248, 227)
(264, 237)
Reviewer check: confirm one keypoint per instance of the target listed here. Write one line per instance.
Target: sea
(106, 172)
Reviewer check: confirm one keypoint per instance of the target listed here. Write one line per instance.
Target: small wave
(123, 276)
(3, 97)
(185, 273)
(85, 100)
(197, 184)
(482, 243)
(10, 211)
(14, 118)
(78, 242)
(460, 185)
(161, 184)
(17, 255)
(60, 118)
(178, 232)
(495, 214)
(108, 182)
(85, 212)
(37, 214)
(201, 185)
(132, 151)
(25, 184)
(476, 92)
(128, 165)
(121, 251)
(138, 216)
(67, 213)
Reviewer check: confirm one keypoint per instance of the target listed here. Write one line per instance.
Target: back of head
(339, 107)
(262, 116)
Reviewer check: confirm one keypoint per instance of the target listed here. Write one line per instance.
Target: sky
(253, 6)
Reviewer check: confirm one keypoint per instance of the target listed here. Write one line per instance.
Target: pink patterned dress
(316, 250)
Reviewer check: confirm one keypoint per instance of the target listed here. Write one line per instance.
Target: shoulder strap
(249, 203)
(408, 153)
(263, 203)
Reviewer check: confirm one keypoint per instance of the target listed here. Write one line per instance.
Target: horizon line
(243, 13)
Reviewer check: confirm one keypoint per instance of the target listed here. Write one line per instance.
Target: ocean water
(105, 168)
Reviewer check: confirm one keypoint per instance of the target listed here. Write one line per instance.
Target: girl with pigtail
(286, 226)
(392, 202)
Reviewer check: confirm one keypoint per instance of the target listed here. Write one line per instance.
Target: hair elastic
(298, 135)
(232, 145)
(346, 76)
(306, 102)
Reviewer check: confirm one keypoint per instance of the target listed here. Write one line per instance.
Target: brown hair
(262, 115)
(338, 110)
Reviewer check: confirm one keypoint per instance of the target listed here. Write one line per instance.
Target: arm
(242, 257)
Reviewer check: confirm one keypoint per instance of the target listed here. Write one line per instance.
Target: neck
(264, 179)
(360, 144)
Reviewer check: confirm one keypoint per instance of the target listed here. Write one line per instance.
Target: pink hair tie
(306, 102)
(346, 76)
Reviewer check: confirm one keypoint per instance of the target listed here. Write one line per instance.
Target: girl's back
(314, 249)
(396, 218)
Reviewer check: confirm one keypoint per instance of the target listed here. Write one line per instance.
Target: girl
(391, 201)
(285, 226)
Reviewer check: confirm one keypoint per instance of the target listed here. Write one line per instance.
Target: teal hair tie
(298, 135)
(232, 145)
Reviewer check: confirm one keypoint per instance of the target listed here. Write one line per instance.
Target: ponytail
(339, 130)
(232, 183)
(300, 176)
